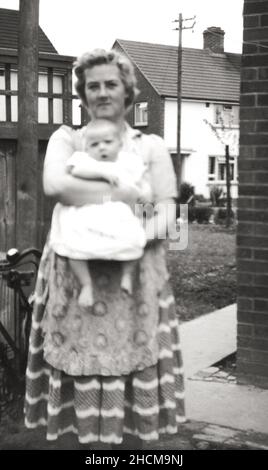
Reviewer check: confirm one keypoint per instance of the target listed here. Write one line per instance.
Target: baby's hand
(143, 199)
(145, 195)
(112, 178)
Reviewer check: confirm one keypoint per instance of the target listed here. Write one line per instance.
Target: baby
(107, 231)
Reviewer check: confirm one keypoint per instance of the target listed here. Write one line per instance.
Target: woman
(115, 371)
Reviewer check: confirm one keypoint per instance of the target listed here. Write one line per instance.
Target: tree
(224, 133)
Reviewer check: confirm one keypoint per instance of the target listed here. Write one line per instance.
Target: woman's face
(105, 92)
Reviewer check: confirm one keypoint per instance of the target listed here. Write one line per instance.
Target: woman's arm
(164, 219)
(164, 190)
(83, 166)
(70, 190)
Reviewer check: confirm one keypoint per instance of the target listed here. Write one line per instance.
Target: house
(57, 104)
(209, 107)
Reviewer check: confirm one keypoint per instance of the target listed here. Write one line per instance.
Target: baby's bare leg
(80, 269)
(128, 268)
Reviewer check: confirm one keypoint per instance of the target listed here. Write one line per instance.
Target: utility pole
(179, 80)
(228, 187)
(27, 153)
(180, 21)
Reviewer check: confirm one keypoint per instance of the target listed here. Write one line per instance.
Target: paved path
(208, 339)
(227, 404)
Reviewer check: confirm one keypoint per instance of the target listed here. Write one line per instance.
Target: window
(222, 170)
(14, 108)
(50, 97)
(57, 84)
(57, 111)
(211, 168)
(76, 112)
(217, 168)
(42, 83)
(141, 114)
(14, 80)
(2, 80)
(226, 115)
(2, 97)
(2, 108)
(43, 111)
(50, 100)
(8, 86)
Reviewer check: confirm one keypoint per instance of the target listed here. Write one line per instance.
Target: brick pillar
(252, 235)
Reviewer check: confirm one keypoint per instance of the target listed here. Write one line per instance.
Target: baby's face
(103, 144)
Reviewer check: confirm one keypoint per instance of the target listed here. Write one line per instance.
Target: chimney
(214, 39)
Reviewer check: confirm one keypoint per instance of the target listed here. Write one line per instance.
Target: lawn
(203, 275)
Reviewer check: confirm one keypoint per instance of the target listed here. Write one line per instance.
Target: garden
(203, 275)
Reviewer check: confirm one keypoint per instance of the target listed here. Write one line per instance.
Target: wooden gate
(8, 154)
(8, 150)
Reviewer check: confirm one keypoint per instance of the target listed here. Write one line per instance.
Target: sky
(77, 26)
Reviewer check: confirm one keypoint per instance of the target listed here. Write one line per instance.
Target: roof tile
(205, 75)
(9, 27)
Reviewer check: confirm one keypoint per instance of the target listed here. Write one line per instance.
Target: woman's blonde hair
(100, 57)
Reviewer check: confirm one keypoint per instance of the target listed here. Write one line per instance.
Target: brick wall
(252, 234)
(155, 105)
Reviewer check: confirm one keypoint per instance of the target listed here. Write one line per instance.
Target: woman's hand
(126, 193)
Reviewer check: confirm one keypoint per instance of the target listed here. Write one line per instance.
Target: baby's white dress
(102, 231)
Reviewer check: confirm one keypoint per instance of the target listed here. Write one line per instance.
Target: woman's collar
(130, 138)
(130, 132)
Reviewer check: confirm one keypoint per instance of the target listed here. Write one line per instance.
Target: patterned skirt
(145, 403)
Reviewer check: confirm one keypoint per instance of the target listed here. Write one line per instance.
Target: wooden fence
(8, 154)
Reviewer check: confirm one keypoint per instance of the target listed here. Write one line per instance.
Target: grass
(203, 276)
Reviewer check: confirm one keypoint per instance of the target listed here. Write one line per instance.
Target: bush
(200, 198)
(200, 214)
(203, 214)
(221, 215)
(191, 213)
(216, 196)
(186, 194)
